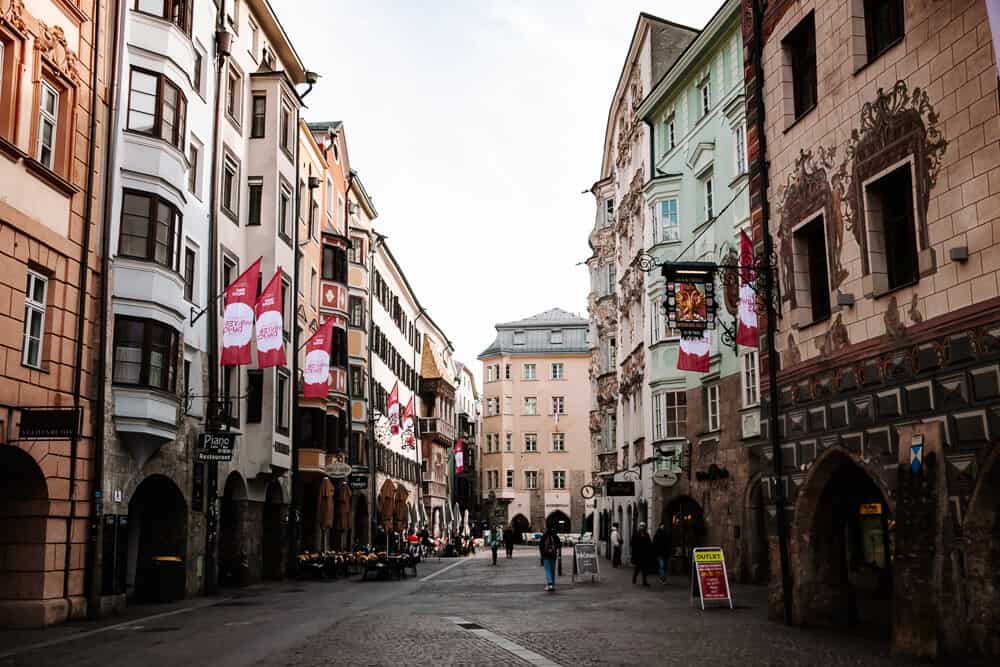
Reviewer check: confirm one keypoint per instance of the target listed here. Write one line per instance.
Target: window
(35, 293)
(231, 187)
(150, 229)
(557, 372)
(48, 123)
(357, 250)
(670, 133)
(666, 226)
(810, 267)
(530, 405)
(883, 25)
(892, 231)
(612, 278)
(612, 352)
(255, 395)
(312, 287)
(519, 338)
(509, 481)
(506, 371)
(255, 193)
(175, 11)
(234, 95)
(199, 64)
(357, 312)
(493, 479)
(713, 420)
(287, 128)
(748, 378)
(705, 93)
(531, 479)
(145, 353)
(709, 203)
(609, 211)
(281, 397)
(530, 372)
(285, 211)
(489, 374)
(800, 52)
(558, 405)
(156, 107)
(334, 264)
(559, 442)
(507, 409)
(555, 337)
(229, 268)
(740, 143)
(259, 120)
(254, 39)
(558, 479)
(189, 273)
(286, 304)
(531, 442)
(508, 442)
(329, 198)
(669, 414)
(194, 168)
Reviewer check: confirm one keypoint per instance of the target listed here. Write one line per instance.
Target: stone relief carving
(792, 355)
(632, 371)
(12, 12)
(895, 329)
(52, 43)
(915, 315)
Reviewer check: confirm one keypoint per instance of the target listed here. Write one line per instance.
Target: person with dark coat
(508, 541)
(616, 546)
(549, 547)
(642, 553)
(661, 547)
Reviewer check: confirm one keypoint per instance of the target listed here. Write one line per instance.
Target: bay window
(156, 107)
(177, 12)
(150, 229)
(145, 354)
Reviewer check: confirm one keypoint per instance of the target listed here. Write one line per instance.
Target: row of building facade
(152, 152)
(864, 137)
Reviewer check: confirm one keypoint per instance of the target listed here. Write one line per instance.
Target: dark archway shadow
(233, 564)
(981, 532)
(273, 532)
(24, 514)
(685, 522)
(157, 535)
(520, 525)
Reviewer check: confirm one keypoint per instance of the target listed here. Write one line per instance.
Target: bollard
(559, 564)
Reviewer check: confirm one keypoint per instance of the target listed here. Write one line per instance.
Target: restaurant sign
(216, 446)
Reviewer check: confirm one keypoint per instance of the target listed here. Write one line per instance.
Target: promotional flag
(747, 333)
(392, 408)
(459, 457)
(694, 352)
(408, 440)
(237, 319)
(270, 329)
(316, 371)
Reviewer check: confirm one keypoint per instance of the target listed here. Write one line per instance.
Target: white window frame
(714, 407)
(740, 144)
(32, 309)
(509, 478)
(609, 211)
(671, 132)
(48, 118)
(558, 405)
(709, 198)
(612, 278)
(750, 378)
(531, 442)
(559, 480)
(559, 438)
(556, 337)
(519, 338)
(531, 479)
(508, 442)
(558, 371)
(529, 372)
(531, 406)
(661, 233)
(705, 96)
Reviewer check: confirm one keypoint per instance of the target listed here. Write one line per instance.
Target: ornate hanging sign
(690, 301)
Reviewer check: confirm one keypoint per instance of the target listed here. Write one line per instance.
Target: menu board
(709, 580)
(585, 554)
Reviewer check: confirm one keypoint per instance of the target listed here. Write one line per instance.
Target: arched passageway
(273, 533)
(841, 534)
(24, 511)
(758, 564)
(233, 559)
(685, 521)
(559, 521)
(520, 525)
(982, 560)
(157, 545)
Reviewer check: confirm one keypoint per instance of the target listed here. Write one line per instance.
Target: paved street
(457, 612)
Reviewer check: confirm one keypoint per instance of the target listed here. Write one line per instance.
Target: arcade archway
(233, 559)
(520, 525)
(841, 534)
(24, 510)
(273, 532)
(559, 521)
(685, 521)
(157, 519)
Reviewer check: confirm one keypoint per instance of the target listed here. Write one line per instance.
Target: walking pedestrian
(661, 547)
(642, 553)
(616, 546)
(496, 536)
(548, 548)
(508, 541)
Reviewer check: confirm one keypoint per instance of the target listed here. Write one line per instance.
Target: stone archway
(273, 532)
(981, 533)
(520, 525)
(233, 559)
(757, 562)
(559, 521)
(157, 520)
(841, 546)
(24, 517)
(685, 522)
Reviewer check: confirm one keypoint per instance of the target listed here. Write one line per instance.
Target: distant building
(535, 451)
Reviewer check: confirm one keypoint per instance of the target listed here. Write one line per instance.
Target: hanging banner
(392, 408)
(237, 320)
(709, 580)
(270, 328)
(459, 457)
(409, 442)
(747, 332)
(693, 353)
(316, 370)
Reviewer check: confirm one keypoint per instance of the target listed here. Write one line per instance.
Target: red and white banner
(316, 370)
(694, 352)
(409, 441)
(747, 332)
(237, 319)
(459, 457)
(392, 408)
(270, 327)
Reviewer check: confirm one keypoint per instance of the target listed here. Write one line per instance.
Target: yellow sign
(708, 556)
(871, 508)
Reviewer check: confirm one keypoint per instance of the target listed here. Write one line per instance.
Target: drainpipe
(95, 556)
(757, 54)
(81, 304)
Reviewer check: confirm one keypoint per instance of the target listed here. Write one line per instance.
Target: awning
(325, 509)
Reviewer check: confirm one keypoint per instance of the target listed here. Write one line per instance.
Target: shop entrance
(233, 559)
(24, 510)
(686, 523)
(157, 541)
(273, 532)
(845, 554)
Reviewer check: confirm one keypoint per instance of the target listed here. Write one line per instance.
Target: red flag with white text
(392, 408)
(270, 328)
(409, 441)
(459, 457)
(316, 370)
(693, 353)
(747, 331)
(237, 319)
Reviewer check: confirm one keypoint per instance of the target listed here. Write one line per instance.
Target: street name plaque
(49, 423)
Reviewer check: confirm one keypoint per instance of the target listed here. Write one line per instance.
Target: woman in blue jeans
(548, 548)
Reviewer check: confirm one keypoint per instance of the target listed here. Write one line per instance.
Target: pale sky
(475, 126)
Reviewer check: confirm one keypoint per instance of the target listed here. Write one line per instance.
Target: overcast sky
(475, 126)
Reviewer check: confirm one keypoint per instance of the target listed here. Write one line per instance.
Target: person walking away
(549, 547)
(642, 553)
(616, 546)
(508, 541)
(661, 547)
(495, 536)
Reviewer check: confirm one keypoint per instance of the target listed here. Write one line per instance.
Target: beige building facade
(535, 444)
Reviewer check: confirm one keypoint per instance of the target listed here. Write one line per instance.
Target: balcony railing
(436, 427)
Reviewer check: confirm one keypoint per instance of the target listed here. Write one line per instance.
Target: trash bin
(168, 573)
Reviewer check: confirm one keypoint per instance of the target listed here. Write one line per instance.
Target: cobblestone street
(457, 612)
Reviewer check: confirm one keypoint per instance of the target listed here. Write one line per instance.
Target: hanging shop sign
(358, 482)
(49, 423)
(709, 580)
(338, 469)
(871, 508)
(616, 488)
(664, 478)
(690, 302)
(216, 446)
